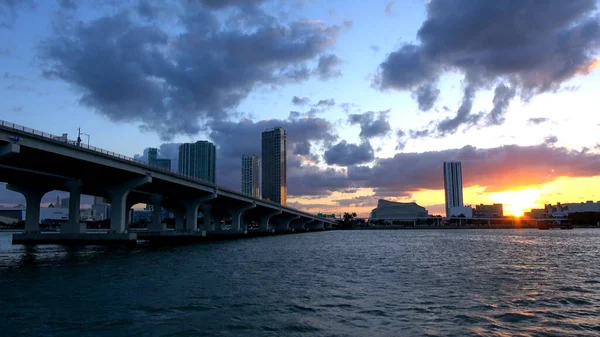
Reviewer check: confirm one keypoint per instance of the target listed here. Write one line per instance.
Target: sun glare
(517, 202)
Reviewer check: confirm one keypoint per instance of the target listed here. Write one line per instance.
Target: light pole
(88, 139)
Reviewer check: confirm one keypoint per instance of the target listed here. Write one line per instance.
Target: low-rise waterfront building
(465, 212)
(488, 211)
(398, 210)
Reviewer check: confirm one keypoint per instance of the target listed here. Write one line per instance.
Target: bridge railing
(63, 139)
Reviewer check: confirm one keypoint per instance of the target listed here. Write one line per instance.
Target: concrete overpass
(34, 163)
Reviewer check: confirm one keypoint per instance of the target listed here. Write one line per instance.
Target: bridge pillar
(156, 225)
(179, 219)
(328, 225)
(118, 202)
(301, 225)
(33, 198)
(9, 150)
(319, 225)
(206, 213)
(191, 211)
(237, 216)
(284, 224)
(73, 226)
(264, 219)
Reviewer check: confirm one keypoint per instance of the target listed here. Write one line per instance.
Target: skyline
(360, 125)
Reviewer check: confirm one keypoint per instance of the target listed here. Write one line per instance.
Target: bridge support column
(318, 225)
(9, 150)
(284, 223)
(264, 219)
(191, 211)
(328, 225)
(206, 213)
(179, 219)
(33, 198)
(237, 216)
(73, 226)
(301, 225)
(118, 202)
(156, 225)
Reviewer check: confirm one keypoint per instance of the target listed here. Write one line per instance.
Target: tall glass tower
(453, 185)
(274, 174)
(251, 175)
(198, 160)
(153, 159)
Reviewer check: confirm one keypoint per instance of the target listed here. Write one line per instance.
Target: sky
(374, 95)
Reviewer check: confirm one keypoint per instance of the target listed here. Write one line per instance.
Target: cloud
(67, 4)
(360, 201)
(325, 103)
(502, 97)
(375, 48)
(220, 4)
(528, 48)
(9, 11)
(550, 140)
(370, 126)
(327, 67)
(401, 140)
(537, 120)
(426, 95)
(300, 100)
(178, 79)
(345, 154)
(390, 7)
(501, 168)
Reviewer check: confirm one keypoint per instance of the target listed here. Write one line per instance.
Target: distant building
(99, 200)
(100, 211)
(536, 213)
(64, 202)
(466, 212)
(398, 210)
(274, 171)
(198, 160)
(153, 159)
(488, 211)
(251, 175)
(453, 185)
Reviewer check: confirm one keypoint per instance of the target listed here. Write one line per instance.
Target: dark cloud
(327, 67)
(502, 97)
(369, 125)
(325, 103)
(5, 51)
(300, 100)
(534, 45)
(345, 154)
(177, 83)
(401, 140)
(550, 140)
(9, 11)
(360, 201)
(426, 95)
(375, 48)
(9, 76)
(389, 7)
(537, 120)
(501, 168)
(68, 4)
(220, 4)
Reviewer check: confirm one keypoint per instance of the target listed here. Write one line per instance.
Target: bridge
(34, 163)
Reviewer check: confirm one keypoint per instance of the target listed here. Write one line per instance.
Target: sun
(518, 202)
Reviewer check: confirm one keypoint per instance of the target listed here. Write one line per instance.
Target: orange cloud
(589, 67)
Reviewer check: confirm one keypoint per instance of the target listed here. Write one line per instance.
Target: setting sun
(517, 202)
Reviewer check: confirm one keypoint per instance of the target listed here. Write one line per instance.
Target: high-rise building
(153, 159)
(251, 175)
(274, 174)
(198, 160)
(453, 185)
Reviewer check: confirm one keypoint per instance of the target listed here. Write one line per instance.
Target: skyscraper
(198, 160)
(453, 185)
(251, 175)
(153, 159)
(274, 174)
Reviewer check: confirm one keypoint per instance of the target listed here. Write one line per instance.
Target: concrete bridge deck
(34, 163)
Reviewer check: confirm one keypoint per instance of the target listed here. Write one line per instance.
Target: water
(340, 283)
